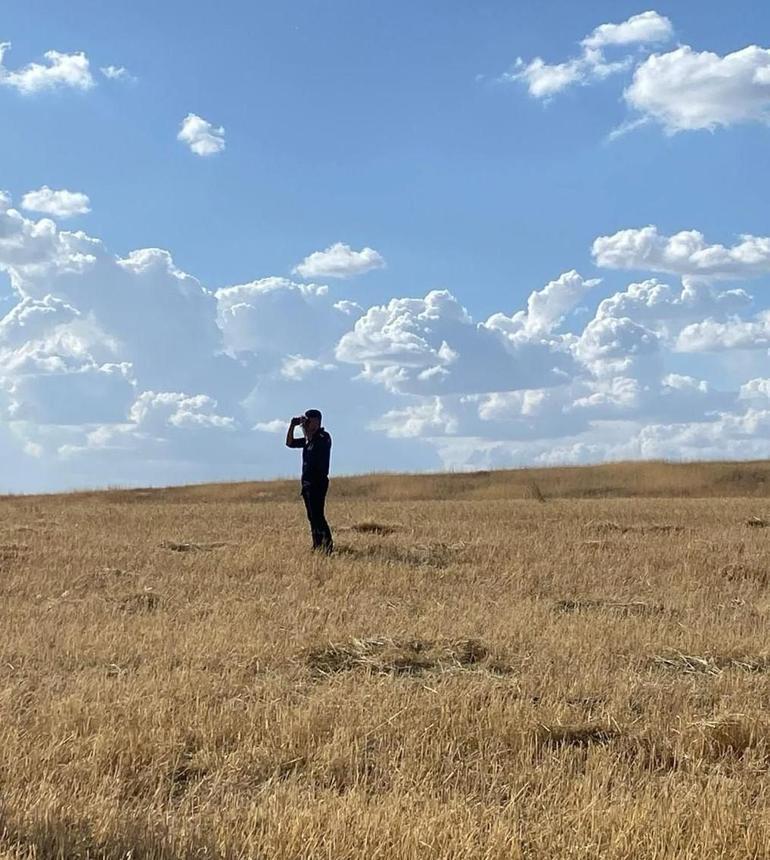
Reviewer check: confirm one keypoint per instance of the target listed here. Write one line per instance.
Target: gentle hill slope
(650, 479)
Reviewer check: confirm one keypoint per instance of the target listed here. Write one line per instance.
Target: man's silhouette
(316, 450)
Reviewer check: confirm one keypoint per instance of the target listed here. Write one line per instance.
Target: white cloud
(713, 336)
(276, 425)
(117, 73)
(59, 70)
(667, 311)
(154, 410)
(547, 308)
(59, 204)
(130, 309)
(613, 346)
(201, 136)
(685, 90)
(298, 366)
(124, 368)
(339, 261)
(728, 436)
(544, 80)
(684, 253)
(88, 394)
(756, 389)
(644, 28)
(432, 346)
(276, 317)
(425, 419)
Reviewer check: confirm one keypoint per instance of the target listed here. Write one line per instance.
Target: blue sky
(406, 128)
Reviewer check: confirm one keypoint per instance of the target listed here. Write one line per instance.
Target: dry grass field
(567, 663)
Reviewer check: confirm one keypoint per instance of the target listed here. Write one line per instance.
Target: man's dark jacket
(315, 458)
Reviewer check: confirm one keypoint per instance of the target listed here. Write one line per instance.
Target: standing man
(316, 450)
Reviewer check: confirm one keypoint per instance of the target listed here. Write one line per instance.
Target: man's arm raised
(291, 442)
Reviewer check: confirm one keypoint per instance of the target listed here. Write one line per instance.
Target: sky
(476, 235)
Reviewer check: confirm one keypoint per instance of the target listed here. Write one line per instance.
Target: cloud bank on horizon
(127, 369)
(130, 367)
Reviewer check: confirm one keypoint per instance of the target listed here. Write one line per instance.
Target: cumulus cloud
(428, 418)
(339, 261)
(273, 316)
(712, 335)
(544, 80)
(615, 346)
(125, 368)
(128, 309)
(684, 253)
(201, 136)
(547, 308)
(59, 70)
(743, 435)
(667, 310)
(686, 90)
(31, 320)
(647, 27)
(432, 345)
(60, 204)
(154, 410)
(756, 389)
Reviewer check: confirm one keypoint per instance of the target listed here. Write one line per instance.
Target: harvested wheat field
(570, 663)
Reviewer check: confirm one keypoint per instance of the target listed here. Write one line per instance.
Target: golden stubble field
(493, 666)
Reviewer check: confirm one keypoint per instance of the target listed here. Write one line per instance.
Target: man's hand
(291, 442)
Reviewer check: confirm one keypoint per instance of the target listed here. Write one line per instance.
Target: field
(567, 663)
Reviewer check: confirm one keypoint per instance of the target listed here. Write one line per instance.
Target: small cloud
(297, 367)
(60, 204)
(201, 136)
(544, 80)
(638, 29)
(339, 261)
(274, 426)
(117, 73)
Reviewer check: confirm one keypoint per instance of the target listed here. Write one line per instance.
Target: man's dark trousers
(314, 495)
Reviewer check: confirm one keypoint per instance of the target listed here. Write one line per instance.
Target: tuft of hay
(438, 555)
(587, 702)
(142, 601)
(607, 526)
(738, 572)
(634, 607)
(661, 529)
(12, 551)
(375, 528)
(386, 656)
(575, 735)
(732, 736)
(596, 544)
(611, 527)
(756, 523)
(709, 665)
(191, 547)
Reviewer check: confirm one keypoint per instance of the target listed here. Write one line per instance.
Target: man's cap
(313, 413)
